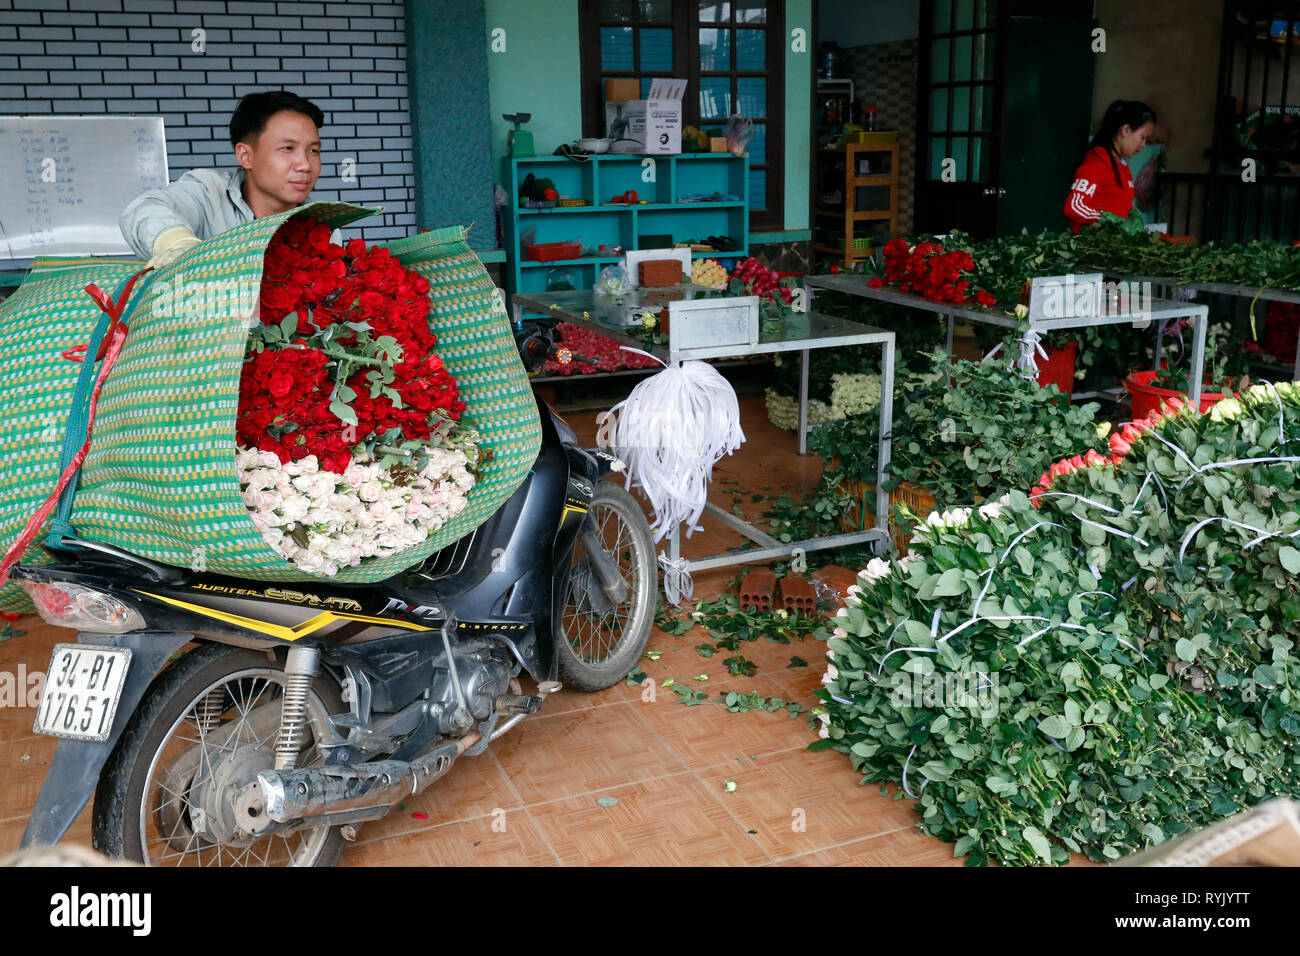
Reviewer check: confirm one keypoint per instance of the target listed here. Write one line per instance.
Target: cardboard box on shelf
(621, 89)
(717, 144)
(652, 126)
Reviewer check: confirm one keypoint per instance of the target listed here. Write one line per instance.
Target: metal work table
(1160, 312)
(1220, 288)
(608, 316)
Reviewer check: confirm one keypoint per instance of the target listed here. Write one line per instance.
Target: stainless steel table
(1160, 312)
(609, 317)
(1220, 288)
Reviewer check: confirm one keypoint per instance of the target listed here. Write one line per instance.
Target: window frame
(988, 133)
(686, 25)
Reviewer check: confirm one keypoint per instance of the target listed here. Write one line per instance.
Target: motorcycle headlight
(81, 608)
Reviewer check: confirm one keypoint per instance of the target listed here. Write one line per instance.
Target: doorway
(1004, 108)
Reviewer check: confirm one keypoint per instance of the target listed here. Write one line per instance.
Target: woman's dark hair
(256, 108)
(1119, 114)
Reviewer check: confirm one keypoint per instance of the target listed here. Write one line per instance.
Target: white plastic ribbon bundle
(1031, 350)
(671, 431)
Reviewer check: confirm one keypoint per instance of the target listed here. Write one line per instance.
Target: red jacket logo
(1083, 186)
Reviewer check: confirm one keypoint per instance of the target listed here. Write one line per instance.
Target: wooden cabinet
(855, 197)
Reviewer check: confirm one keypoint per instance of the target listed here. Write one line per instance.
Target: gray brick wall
(135, 56)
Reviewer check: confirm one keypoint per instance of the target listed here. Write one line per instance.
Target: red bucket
(1058, 368)
(1147, 397)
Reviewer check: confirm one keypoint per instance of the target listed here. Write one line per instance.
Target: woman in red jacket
(1102, 182)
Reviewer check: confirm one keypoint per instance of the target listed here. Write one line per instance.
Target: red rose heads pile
(300, 395)
(926, 270)
(607, 355)
(759, 280)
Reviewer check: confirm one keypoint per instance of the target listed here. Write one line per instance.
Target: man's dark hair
(256, 108)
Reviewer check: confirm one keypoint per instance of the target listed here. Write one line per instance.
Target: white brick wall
(134, 56)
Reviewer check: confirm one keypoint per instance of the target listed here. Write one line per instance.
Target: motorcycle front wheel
(204, 729)
(601, 639)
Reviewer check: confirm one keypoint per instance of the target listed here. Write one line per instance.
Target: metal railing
(1223, 208)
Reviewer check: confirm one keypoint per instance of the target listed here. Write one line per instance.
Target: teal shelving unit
(602, 178)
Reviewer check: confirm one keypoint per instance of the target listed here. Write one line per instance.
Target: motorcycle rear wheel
(226, 698)
(598, 649)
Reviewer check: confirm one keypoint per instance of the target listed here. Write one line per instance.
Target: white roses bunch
(322, 521)
(949, 520)
(854, 394)
(1265, 393)
(851, 394)
(959, 517)
(783, 411)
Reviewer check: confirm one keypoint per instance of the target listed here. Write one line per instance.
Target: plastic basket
(1058, 368)
(861, 514)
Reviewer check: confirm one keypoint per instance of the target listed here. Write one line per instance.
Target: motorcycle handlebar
(537, 343)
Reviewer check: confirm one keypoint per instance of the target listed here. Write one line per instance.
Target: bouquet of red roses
(927, 270)
(351, 443)
(754, 278)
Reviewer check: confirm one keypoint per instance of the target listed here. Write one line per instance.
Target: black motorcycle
(223, 721)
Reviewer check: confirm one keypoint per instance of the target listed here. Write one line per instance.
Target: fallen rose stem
(343, 356)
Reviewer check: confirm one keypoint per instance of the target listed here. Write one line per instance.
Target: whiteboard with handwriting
(64, 181)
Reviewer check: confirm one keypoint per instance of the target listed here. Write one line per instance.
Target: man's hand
(171, 244)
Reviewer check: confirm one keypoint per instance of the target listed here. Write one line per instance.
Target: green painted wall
(798, 117)
(539, 72)
(445, 50)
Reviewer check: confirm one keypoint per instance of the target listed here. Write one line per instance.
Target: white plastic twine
(1031, 349)
(671, 431)
(677, 579)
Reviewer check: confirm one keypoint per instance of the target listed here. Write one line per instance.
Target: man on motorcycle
(302, 713)
(277, 146)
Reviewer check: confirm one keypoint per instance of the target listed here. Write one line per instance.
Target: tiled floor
(535, 796)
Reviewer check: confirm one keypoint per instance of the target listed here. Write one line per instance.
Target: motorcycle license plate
(82, 687)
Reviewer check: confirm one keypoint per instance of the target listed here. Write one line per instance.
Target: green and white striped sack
(160, 479)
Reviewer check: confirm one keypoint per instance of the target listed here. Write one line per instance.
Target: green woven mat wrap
(160, 480)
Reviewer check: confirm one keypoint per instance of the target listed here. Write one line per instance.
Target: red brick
(758, 589)
(798, 596)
